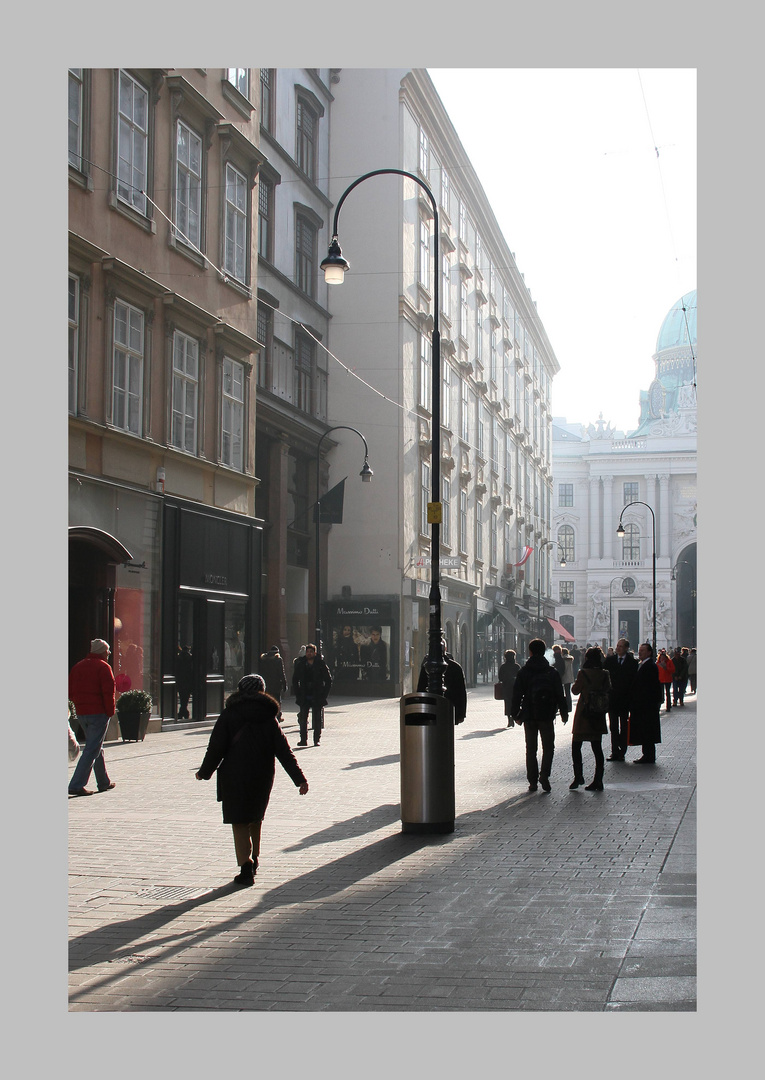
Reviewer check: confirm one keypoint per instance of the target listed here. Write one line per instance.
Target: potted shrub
(133, 712)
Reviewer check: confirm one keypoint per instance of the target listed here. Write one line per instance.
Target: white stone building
(605, 590)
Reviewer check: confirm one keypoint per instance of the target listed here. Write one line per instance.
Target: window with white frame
(631, 492)
(446, 397)
(463, 222)
(424, 153)
(424, 495)
(265, 219)
(232, 414)
(424, 254)
(495, 444)
(493, 530)
(446, 292)
(566, 541)
(423, 398)
(235, 251)
(132, 142)
(444, 190)
(508, 545)
(240, 78)
(267, 79)
(446, 511)
(463, 521)
(463, 310)
(478, 252)
(188, 184)
(478, 529)
(480, 426)
(74, 340)
(183, 433)
(127, 367)
(566, 592)
(493, 355)
(75, 117)
(565, 494)
(631, 543)
(464, 411)
(479, 334)
(305, 255)
(307, 138)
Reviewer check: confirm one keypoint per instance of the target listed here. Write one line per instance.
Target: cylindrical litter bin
(427, 763)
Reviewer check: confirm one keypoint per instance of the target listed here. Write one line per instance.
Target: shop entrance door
(210, 654)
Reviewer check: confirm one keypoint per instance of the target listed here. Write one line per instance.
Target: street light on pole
(366, 476)
(544, 544)
(620, 534)
(335, 266)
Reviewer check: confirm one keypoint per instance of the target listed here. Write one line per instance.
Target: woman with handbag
(592, 684)
(503, 689)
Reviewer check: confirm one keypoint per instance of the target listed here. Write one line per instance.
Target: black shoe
(596, 785)
(577, 782)
(301, 743)
(316, 742)
(82, 791)
(644, 761)
(615, 757)
(532, 787)
(246, 875)
(543, 780)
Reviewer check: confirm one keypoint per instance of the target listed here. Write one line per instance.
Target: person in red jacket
(91, 690)
(666, 672)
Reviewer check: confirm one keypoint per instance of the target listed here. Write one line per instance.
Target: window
(446, 512)
(305, 363)
(478, 252)
(566, 541)
(424, 153)
(631, 543)
(445, 285)
(566, 592)
(493, 356)
(265, 219)
(480, 429)
(495, 444)
(446, 397)
(444, 190)
(478, 529)
(567, 622)
(188, 184)
(463, 521)
(479, 334)
(463, 223)
(264, 334)
(493, 531)
(240, 78)
(267, 87)
(508, 547)
(425, 377)
(74, 340)
(464, 411)
(307, 130)
(235, 253)
(424, 255)
(565, 494)
(631, 492)
(75, 117)
(127, 375)
(463, 310)
(183, 434)
(132, 142)
(232, 414)
(305, 256)
(424, 495)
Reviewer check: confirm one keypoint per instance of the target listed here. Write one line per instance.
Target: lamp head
(334, 266)
(563, 562)
(620, 530)
(366, 473)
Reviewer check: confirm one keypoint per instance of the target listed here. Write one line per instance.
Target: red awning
(559, 629)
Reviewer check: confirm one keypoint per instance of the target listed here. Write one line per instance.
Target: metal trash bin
(427, 763)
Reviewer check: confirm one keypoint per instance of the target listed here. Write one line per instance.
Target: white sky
(602, 229)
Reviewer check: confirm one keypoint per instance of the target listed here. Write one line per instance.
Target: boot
(578, 781)
(596, 785)
(246, 875)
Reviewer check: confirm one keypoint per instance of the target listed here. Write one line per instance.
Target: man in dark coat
(680, 677)
(622, 668)
(454, 684)
(271, 667)
(647, 696)
(311, 683)
(538, 696)
(243, 747)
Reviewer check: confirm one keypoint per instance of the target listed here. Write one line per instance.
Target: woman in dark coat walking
(592, 684)
(506, 675)
(243, 747)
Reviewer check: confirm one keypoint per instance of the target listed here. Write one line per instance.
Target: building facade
(165, 547)
(603, 476)
(496, 376)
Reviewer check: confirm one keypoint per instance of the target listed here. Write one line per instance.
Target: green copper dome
(679, 327)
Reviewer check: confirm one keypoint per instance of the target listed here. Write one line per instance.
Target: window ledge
(179, 245)
(80, 178)
(234, 283)
(237, 99)
(143, 222)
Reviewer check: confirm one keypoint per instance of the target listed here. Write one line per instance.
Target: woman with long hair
(592, 684)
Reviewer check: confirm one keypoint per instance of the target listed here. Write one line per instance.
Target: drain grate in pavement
(171, 892)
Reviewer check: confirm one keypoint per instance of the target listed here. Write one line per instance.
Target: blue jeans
(92, 756)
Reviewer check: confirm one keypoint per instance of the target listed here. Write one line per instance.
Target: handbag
(499, 691)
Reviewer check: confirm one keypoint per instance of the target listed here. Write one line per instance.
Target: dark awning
(511, 619)
(560, 629)
(104, 541)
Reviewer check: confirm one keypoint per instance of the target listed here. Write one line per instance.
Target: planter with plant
(133, 712)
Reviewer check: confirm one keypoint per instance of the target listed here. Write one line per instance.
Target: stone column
(594, 547)
(609, 525)
(663, 525)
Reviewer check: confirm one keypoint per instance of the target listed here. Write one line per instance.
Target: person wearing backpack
(592, 684)
(537, 697)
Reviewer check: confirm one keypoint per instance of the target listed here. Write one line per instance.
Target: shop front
(361, 646)
(210, 607)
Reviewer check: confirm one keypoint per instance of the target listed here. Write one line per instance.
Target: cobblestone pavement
(572, 901)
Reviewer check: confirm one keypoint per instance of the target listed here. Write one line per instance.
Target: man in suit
(647, 696)
(454, 683)
(621, 667)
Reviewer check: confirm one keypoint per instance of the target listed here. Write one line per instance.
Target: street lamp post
(366, 476)
(544, 544)
(334, 267)
(620, 533)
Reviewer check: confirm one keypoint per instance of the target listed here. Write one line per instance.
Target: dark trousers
(667, 687)
(617, 720)
(534, 730)
(317, 718)
(692, 680)
(649, 751)
(576, 756)
(678, 690)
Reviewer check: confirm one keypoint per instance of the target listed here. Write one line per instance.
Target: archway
(93, 558)
(684, 573)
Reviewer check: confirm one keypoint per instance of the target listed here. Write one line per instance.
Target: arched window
(566, 541)
(567, 621)
(631, 544)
